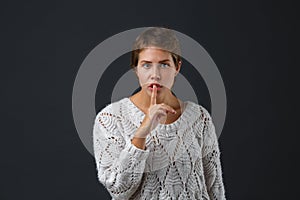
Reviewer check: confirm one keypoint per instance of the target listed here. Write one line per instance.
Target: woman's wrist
(139, 138)
(139, 142)
(144, 129)
(142, 132)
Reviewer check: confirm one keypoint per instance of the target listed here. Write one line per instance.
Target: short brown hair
(158, 37)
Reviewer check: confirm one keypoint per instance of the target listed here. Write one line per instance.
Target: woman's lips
(151, 87)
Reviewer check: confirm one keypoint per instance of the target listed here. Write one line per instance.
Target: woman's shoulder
(197, 110)
(112, 109)
(201, 120)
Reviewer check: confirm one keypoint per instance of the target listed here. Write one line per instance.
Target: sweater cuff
(137, 153)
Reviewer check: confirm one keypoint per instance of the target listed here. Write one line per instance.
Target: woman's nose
(155, 73)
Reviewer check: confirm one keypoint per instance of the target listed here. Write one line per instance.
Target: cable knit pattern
(181, 160)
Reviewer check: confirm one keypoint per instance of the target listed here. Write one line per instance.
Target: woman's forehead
(154, 54)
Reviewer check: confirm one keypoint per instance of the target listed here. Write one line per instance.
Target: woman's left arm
(211, 161)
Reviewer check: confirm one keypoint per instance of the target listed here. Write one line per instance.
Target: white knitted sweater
(181, 160)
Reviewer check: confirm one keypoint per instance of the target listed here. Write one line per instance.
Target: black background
(45, 42)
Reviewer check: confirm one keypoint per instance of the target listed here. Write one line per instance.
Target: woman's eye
(146, 65)
(164, 65)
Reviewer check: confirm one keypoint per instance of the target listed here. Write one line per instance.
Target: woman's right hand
(157, 113)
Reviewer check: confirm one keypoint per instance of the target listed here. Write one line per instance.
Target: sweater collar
(189, 115)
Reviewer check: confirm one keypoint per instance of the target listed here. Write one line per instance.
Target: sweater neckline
(175, 124)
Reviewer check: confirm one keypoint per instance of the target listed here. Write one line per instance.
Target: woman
(152, 145)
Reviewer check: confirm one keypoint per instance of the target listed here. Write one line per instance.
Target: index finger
(153, 95)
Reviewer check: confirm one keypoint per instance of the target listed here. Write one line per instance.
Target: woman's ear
(178, 68)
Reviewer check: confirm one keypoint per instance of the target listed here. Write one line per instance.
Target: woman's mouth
(158, 86)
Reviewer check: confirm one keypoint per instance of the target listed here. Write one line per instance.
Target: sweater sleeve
(211, 161)
(120, 164)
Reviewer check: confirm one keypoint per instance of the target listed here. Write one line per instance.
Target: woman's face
(156, 66)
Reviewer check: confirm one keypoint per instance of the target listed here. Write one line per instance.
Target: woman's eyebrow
(162, 61)
(146, 61)
(166, 60)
